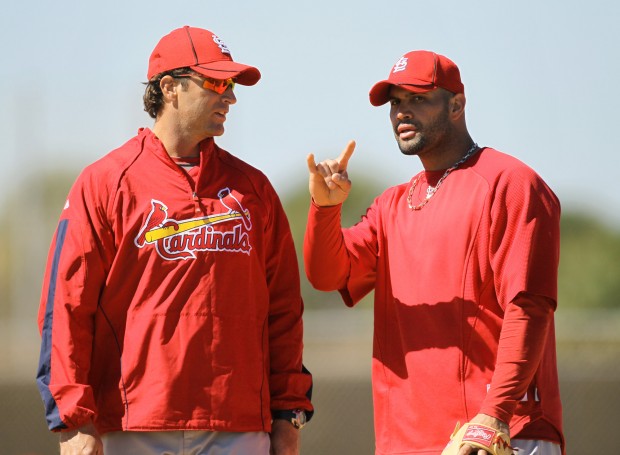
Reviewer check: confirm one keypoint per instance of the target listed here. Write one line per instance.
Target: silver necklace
(431, 190)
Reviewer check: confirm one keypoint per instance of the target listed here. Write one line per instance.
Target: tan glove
(479, 436)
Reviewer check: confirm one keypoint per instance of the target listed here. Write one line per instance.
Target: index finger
(343, 159)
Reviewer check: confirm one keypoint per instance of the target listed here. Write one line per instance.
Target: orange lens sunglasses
(217, 85)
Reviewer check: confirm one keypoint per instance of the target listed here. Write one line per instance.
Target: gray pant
(185, 443)
(531, 447)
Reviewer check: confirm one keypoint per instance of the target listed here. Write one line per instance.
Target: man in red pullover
(171, 310)
(463, 262)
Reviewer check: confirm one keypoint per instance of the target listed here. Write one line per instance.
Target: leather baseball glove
(479, 436)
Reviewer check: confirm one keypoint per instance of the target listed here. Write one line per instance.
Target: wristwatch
(297, 417)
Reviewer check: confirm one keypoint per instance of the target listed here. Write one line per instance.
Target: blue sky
(540, 78)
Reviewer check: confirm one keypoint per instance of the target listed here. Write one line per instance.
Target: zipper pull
(196, 202)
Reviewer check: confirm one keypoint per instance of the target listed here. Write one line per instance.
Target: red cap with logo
(203, 52)
(419, 72)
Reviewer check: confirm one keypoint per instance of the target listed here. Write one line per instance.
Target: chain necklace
(431, 190)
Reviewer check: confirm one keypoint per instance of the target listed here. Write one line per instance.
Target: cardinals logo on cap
(223, 47)
(400, 65)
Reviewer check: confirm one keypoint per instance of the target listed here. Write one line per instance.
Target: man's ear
(457, 105)
(168, 86)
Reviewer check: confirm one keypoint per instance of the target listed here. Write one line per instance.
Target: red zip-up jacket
(170, 304)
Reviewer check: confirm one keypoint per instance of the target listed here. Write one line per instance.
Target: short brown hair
(153, 98)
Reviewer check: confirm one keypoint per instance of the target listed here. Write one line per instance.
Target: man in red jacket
(463, 261)
(171, 310)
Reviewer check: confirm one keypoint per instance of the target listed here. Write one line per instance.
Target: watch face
(299, 420)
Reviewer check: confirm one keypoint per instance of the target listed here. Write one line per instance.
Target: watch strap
(297, 417)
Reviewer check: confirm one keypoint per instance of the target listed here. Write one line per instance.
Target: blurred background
(540, 81)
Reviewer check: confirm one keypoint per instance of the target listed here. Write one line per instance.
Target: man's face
(419, 120)
(202, 112)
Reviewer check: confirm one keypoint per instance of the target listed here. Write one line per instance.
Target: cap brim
(380, 92)
(225, 69)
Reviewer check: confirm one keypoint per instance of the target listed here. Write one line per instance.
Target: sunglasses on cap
(217, 85)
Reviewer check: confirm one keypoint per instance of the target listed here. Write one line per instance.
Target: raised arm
(326, 259)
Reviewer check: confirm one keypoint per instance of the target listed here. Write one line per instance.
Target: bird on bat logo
(155, 219)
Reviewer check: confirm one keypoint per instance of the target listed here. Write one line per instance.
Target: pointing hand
(329, 182)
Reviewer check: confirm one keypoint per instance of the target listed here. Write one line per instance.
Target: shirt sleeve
(290, 382)
(326, 259)
(74, 276)
(524, 255)
(341, 259)
(521, 345)
(524, 237)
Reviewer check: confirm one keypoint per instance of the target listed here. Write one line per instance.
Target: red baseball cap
(203, 52)
(419, 72)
